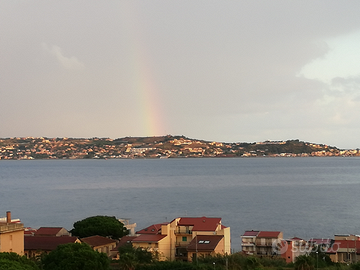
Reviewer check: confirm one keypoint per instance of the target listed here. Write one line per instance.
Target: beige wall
(227, 240)
(12, 238)
(105, 248)
(166, 247)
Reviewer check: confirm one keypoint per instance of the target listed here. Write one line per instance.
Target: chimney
(8, 217)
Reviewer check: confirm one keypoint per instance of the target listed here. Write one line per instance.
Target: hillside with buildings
(157, 147)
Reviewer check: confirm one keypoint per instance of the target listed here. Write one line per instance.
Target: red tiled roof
(151, 238)
(204, 242)
(320, 241)
(96, 240)
(251, 233)
(153, 229)
(295, 239)
(268, 234)
(346, 244)
(48, 231)
(46, 243)
(200, 223)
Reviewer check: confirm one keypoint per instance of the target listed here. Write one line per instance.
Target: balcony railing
(187, 232)
(266, 244)
(247, 243)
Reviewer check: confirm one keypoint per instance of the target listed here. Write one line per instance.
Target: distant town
(157, 147)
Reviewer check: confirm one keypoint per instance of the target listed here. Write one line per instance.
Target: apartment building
(248, 240)
(185, 238)
(345, 248)
(265, 241)
(261, 242)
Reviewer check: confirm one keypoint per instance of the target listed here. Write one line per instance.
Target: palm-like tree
(304, 262)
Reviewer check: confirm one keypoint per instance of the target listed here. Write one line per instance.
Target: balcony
(247, 244)
(181, 254)
(183, 232)
(262, 244)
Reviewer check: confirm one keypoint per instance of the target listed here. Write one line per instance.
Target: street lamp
(317, 260)
(214, 265)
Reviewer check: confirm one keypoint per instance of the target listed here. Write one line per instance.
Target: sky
(227, 71)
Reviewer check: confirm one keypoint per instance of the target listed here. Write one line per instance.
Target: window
(184, 238)
(201, 241)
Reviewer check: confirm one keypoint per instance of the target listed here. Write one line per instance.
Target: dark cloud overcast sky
(230, 71)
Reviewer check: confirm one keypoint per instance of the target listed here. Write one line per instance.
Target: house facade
(205, 245)
(36, 245)
(100, 244)
(11, 235)
(292, 248)
(265, 241)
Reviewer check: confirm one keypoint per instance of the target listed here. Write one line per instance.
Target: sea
(310, 197)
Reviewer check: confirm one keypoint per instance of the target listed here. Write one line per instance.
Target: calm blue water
(304, 197)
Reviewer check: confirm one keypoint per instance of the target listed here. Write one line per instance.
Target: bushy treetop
(75, 256)
(13, 261)
(99, 225)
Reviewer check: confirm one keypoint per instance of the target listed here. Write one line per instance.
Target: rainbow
(144, 84)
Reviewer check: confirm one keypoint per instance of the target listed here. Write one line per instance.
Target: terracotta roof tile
(320, 241)
(251, 233)
(48, 231)
(200, 223)
(151, 238)
(96, 240)
(153, 229)
(205, 242)
(268, 234)
(296, 239)
(46, 243)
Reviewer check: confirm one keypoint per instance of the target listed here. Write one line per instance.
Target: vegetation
(82, 257)
(130, 257)
(99, 225)
(13, 261)
(304, 262)
(75, 256)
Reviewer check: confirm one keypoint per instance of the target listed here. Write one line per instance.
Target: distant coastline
(27, 148)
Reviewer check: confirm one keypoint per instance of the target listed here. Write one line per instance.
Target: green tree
(355, 266)
(13, 261)
(321, 259)
(99, 225)
(130, 257)
(75, 256)
(304, 262)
